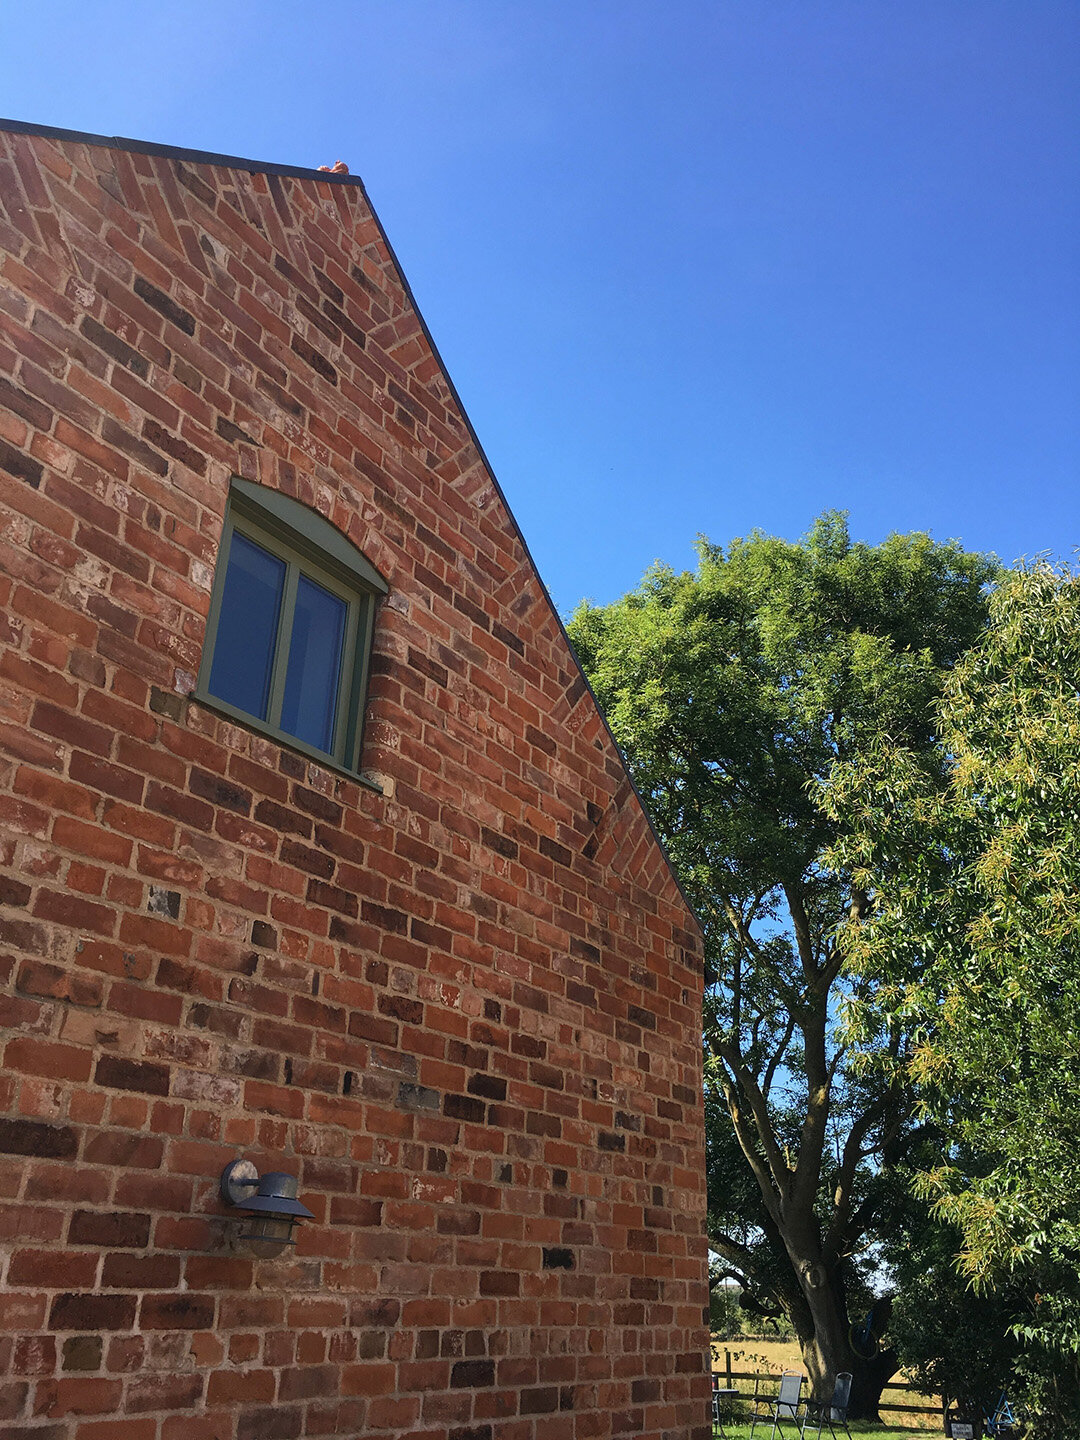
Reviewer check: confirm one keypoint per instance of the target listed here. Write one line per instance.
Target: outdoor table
(726, 1392)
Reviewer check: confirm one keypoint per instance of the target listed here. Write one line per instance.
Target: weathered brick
(34, 1137)
(315, 359)
(165, 305)
(472, 1374)
(114, 434)
(140, 1075)
(110, 1228)
(165, 1392)
(177, 1312)
(57, 982)
(19, 464)
(303, 857)
(557, 1257)
(113, 346)
(92, 1312)
(413, 995)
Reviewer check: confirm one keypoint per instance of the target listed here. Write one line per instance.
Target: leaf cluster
(735, 691)
(974, 938)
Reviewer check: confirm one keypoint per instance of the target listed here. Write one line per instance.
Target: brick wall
(464, 1011)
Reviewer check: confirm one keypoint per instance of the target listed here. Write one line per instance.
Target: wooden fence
(927, 1408)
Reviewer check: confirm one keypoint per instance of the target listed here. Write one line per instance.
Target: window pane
(247, 627)
(311, 683)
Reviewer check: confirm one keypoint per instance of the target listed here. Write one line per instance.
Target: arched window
(291, 620)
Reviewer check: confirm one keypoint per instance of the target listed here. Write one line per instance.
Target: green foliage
(725, 1317)
(731, 688)
(733, 692)
(974, 938)
(951, 1339)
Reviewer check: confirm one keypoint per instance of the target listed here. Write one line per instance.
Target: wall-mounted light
(271, 1201)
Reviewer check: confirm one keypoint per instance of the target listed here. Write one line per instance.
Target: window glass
(314, 669)
(289, 632)
(247, 629)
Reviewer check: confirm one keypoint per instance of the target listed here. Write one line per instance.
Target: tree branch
(770, 1169)
(777, 1057)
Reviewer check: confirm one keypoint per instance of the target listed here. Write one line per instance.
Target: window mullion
(359, 679)
(284, 641)
(344, 718)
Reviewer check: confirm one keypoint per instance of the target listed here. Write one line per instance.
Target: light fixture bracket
(239, 1182)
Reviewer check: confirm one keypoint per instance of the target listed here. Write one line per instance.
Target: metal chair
(785, 1407)
(835, 1408)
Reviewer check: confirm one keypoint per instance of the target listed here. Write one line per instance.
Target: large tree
(974, 856)
(733, 692)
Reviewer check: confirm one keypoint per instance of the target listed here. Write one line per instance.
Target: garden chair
(835, 1408)
(784, 1407)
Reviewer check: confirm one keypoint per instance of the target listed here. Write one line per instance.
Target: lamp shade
(273, 1211)
(276, 1195)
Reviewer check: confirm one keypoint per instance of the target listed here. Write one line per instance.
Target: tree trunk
(868, 1382)
(827, 1351)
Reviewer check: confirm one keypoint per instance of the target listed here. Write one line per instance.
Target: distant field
(750, 1353)
(742, 1432)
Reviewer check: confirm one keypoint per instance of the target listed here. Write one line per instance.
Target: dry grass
(751, 1354)
(878, 1432)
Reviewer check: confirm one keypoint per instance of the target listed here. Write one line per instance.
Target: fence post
(727, 1368)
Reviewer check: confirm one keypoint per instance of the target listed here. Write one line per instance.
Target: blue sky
(694, 267)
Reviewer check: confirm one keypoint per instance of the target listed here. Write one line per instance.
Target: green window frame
(311, 555)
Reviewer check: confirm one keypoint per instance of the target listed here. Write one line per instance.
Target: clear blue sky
(697, 266)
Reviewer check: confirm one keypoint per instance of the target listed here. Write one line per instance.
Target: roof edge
(177, 152)
(236, 162)
(692, 910)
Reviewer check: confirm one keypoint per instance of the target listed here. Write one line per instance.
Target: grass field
(879, 1432)
(750, 1353)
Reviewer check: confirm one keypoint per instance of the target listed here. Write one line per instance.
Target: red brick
(164, 1392)
(72, 729)
(92, 1312)
(32, 1056)
(55, 982)
(109, 1227)
(140, 1075)
(158, 935)
(409, 1000)
(91, 840)
(46, 790)
(103, 775)
(76, 913)
(245, 1387)
(34, 1355)
(140, 1272)
(36, 679)
(117, 1430)
(85, 1395)
(196, 1427)
(177, 1312)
